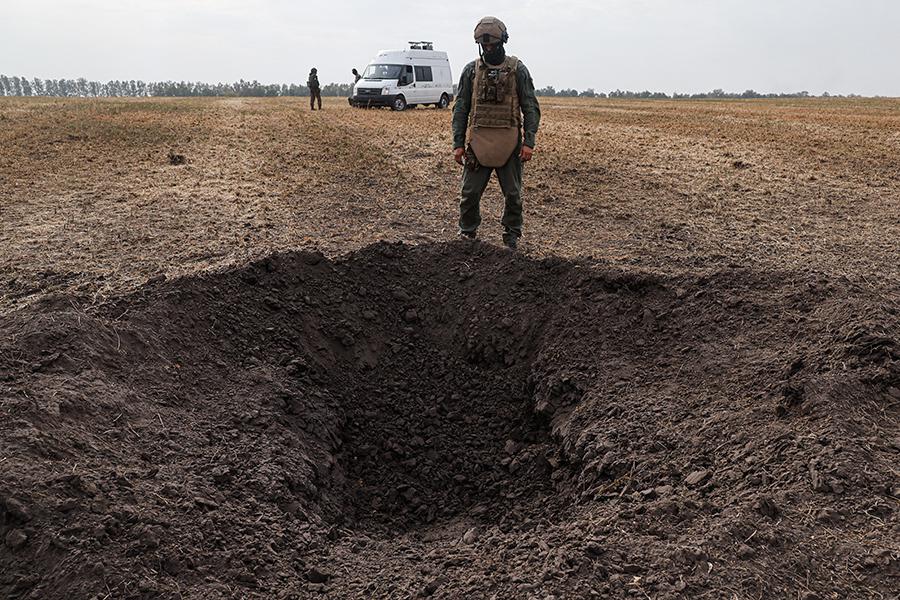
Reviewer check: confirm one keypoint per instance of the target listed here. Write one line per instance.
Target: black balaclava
(495, 57)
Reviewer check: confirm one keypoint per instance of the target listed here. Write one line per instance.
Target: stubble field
(242, 353)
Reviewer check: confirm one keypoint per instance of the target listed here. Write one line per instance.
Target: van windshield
(383, 72)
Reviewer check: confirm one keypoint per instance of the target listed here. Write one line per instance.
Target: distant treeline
(590, 93)
(75, 88)
(82, 88)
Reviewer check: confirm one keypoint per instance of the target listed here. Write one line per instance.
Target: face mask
(495, 56)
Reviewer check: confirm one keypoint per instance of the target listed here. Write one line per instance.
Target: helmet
(490, 30)
(313, 70)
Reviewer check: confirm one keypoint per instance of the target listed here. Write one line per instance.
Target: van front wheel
(443, 102)
(399, 103)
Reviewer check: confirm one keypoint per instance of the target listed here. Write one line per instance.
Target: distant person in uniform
(495, 106)
(315, 92)
(356, 76)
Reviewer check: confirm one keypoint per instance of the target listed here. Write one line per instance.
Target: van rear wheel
(443, 102)
(399, 103)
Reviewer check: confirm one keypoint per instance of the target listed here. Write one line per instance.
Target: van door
(406, 85)
(425, 84)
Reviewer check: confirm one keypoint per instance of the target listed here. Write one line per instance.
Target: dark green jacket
(313, 82)
(531, 111)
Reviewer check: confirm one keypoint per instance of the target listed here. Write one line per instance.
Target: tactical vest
(495, 117)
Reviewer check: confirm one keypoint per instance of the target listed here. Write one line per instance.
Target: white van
(405, 78)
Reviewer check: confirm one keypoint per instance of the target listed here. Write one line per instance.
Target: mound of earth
(456, 421)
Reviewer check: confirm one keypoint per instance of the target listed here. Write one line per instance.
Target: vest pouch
(494, 85)
(494, 145)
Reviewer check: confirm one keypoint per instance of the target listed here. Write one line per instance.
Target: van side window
(423, 74)
(407, 77)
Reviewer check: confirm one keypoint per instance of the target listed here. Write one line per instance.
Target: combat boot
(510, 240)
(466, 235)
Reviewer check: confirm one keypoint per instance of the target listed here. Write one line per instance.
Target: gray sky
(840, 46)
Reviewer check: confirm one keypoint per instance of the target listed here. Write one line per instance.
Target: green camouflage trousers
(473, 184)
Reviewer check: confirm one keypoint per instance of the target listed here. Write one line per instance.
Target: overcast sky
(839, 46)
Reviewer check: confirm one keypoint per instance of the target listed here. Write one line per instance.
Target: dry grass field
(243, 354)
(90, 198)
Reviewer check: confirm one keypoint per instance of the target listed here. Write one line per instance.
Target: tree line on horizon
(82, 88)
(717, 93)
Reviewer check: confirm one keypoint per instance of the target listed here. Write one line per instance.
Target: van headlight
(385, 91)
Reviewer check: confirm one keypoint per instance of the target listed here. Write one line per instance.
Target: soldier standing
(315, 93)
(496, 102)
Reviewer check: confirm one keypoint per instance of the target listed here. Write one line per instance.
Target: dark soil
(456, 421)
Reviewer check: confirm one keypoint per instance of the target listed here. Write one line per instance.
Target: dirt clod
(15, 539)
(316, 576)
(697, 477)
(17, 510)
(767, 507)
(434, 585)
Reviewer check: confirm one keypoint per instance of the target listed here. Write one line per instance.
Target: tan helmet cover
(493, 28)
